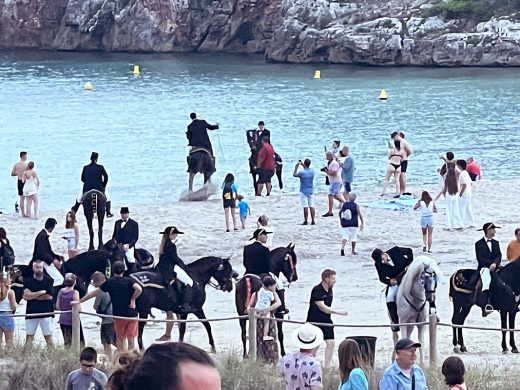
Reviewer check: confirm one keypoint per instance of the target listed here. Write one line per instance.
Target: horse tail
(94, 203)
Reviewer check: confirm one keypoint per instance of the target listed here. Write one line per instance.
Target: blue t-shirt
(347, 172)
(394, 379)
(243, 207)
(306, 176)
(356, 381)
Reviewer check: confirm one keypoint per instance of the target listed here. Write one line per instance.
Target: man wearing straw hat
(301, 369)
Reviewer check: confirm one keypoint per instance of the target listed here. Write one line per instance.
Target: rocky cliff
(376, 32)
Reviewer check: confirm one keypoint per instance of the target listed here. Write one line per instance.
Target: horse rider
(171, 267)
(94, 177)
(42, 251)
(489, 256)
(197, 134)
(391, 267)
(126, 233)
(257, 255)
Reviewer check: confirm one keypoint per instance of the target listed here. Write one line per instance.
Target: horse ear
(289, 246)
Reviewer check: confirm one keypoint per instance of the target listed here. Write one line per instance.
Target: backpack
(346, 215)
(8, 256)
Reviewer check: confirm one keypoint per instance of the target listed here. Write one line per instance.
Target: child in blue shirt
(243, 206)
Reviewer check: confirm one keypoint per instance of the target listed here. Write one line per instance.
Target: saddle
(466, 281)
(148, 279)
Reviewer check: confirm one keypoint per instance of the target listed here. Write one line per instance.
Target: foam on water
(138, 124)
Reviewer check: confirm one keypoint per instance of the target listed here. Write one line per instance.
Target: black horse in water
(200, 160)
(283, 261)
(156, 295)
(82, 265)
(94, 205)
(505, 296)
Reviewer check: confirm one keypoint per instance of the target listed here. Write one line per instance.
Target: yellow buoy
(136, 71)
(383, 95)
(88, 86)
(317, 74)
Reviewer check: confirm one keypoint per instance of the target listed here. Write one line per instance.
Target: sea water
(138, 124)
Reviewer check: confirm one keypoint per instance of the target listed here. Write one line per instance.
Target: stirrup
(489, 308)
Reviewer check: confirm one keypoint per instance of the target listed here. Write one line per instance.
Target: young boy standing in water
(244, 208)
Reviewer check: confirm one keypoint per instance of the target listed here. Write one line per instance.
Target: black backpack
(8, 255)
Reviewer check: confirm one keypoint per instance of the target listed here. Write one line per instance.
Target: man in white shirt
(465, 196)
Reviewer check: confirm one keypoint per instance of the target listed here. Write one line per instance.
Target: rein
(417, 310)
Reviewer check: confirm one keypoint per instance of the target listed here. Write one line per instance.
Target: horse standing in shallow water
(505, 297)
(156, 295)
(283, 261)
(416, 292)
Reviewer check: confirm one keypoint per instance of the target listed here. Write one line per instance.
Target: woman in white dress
(30, 189)
(71, 234)
(451, 194)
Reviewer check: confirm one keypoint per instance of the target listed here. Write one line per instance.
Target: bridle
(289, 259)
(425, 274)
(217, 286)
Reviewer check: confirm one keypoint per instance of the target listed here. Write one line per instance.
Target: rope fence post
(76, 343)
(252, 333)
(433, 338)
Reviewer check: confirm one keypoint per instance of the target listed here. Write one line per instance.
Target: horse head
(429, 278)
(115, 251)
(224, 275)
(284, 260)
(206, 268)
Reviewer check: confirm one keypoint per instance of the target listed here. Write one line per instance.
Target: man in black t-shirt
(123, 291)
(38, 292)
(320, 310)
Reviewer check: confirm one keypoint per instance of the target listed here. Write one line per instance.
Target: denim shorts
(334, 188)
(426, 221)
(6, 320)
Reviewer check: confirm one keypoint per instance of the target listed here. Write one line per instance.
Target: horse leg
(182, 326)
(503, 325)
(190, 181)
(141, 330)
(200, 315)
(100, 229)
(512, 317)
(464, 312)
(243, 323)
(455, 320)
(91, 233)
(420, 332)
(279, 326)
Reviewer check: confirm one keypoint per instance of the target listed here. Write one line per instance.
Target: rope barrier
(166, 320)
(40, 315)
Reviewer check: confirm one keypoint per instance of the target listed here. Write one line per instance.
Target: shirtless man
(399, 136)
(19, 168)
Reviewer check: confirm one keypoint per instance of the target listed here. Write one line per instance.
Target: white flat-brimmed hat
(308, 336)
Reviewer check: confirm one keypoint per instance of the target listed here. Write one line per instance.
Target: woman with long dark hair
(453, 370)
(427, 207)
(395, 156)
(351, 367)
(451, 194)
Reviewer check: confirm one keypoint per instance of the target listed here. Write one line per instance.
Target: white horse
(417, 289)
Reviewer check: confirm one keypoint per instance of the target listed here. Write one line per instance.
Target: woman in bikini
(395, 155)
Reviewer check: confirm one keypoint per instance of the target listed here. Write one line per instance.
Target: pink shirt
(473, 168)
(333, 172)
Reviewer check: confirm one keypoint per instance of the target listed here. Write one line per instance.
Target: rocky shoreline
(386, 33)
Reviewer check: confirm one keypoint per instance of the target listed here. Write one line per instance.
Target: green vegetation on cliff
(478, 10)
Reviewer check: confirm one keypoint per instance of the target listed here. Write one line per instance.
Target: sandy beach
(358, 290)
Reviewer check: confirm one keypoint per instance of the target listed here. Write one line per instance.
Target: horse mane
(281, 251)
(202, 263)
(416, 267)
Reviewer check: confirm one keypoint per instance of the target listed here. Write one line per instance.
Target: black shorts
(328, 332)
(20, 187)
(229, 203)
(108, 334)
(264, 176)
(404, 165)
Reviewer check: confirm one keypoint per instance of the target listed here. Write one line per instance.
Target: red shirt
(473, 168)
(266, 159)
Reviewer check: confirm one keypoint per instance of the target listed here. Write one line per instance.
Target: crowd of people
(117, 295)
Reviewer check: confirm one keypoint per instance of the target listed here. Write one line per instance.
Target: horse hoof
(246, 356)
(456, 350)
(505, 351)
(463, 349)
(514, 350)
(212, 350)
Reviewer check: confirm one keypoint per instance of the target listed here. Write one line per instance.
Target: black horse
(505, 294)
(82, 265)
(156, 295)
(283, 261)
(200, 160)
(94, 205)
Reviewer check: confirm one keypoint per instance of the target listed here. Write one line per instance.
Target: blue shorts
(334, 188)
(243, 216)
(347, 187)
(6, 320)
(426, 221)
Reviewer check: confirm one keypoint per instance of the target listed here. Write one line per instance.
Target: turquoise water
(138, 124)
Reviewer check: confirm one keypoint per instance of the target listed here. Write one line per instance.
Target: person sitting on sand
(395, 156)
(513, 249)
(391, 267)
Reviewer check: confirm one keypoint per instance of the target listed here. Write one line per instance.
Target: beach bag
(8, 257)
(346, 215)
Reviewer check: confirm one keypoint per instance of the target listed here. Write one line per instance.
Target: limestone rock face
(373, 32)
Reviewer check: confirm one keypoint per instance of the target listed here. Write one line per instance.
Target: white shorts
(31, 324)
(349, 233)
(306, 200)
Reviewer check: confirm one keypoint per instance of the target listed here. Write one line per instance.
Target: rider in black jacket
(256, 255)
